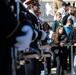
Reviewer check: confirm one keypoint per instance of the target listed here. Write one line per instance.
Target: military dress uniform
(37, 65)
(10, 29)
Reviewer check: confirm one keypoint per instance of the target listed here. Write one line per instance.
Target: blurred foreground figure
(16, 30)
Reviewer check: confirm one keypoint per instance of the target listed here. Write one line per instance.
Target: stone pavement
(53, 72)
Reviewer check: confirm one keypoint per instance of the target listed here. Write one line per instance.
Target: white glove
(47, 50)
(24, 41)
(35, 36)
(49, 41)
(43, 35)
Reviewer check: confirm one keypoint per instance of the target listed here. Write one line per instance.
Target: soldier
(9, 32)
(13, 33)
(34, 8)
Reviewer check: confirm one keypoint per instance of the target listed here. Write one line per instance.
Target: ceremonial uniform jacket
(36, 25)
(9, 30)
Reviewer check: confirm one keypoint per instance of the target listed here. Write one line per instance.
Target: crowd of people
(63, 26)
(24, 31)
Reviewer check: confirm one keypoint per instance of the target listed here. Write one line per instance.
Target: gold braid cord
(15, 29)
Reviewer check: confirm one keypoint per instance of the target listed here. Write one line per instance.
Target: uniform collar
(32, 13)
